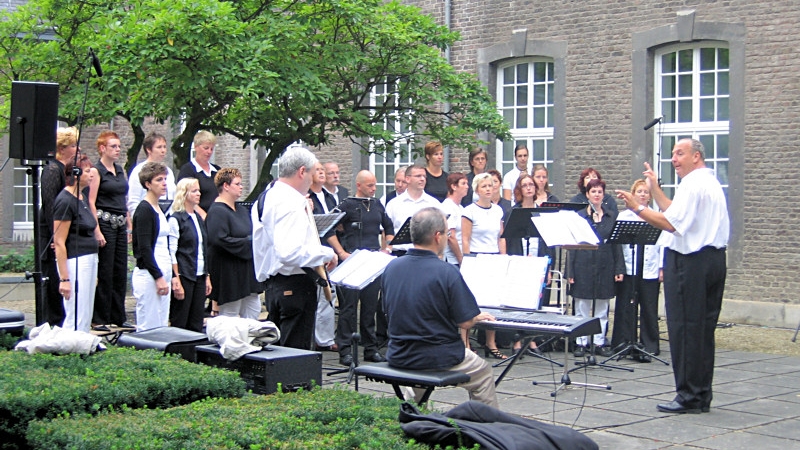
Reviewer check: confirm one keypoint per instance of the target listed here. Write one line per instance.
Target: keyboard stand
(565, 380)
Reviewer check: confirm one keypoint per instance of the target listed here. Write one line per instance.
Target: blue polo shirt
(425, 299)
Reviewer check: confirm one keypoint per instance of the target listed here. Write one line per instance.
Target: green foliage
(321, 418)
(17, 262)
(271, 72)
(45, 386)
(8, 341)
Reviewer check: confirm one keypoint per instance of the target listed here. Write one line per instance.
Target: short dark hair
(83, 162)
(474, 153)
(425, 224)
(596, 183)
(151, 140)
(226, 176)
(585, 173)
(149, 171)
(453, 179)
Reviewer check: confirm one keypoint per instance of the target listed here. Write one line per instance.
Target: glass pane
(669, 192)
(20, 177)
(722, 109)
(722, 83)
(522, 95)
(538, 117)
(667, 173)
(707, 110)
(668, 110)
(685, 61)
(508, 96)
(19, 213)
(685, 86)
(522, 118)
(707, 84)
(550, 95)
(668, 63)
(549, 117)
(538, 150)
(522, 73)
(668, 86)
(539, 94)
(379, 174)
(707, 58)
(20, 196)
(508, 75)
(508, 152)
(685, 111)
(722, 171)
(708, 143)
(722, 146)
(508, 115)
(723, 62)
(539, 72)
(667, 142)
(550, 71)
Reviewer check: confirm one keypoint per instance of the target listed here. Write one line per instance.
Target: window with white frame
(385, 165)
(525, 98)
(23, 204)
(692, 94)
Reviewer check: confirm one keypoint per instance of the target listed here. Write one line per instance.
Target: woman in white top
(457, 188)
(155, 146)
(652, 275)
(481, 227)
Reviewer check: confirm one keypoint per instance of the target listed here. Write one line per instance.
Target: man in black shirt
(364, 218)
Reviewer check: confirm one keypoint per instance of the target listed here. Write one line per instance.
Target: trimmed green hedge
(45, 386)
(318, 419)
(8, 340)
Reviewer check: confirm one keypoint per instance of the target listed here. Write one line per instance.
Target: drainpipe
(447, 7)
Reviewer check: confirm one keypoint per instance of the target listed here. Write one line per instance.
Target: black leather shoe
(579, 351)
(534, 352)
(645, 358)
(675, 407)
(346, 360)
(375, 357)
(605, 351)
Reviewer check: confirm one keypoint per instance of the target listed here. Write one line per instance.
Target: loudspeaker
(34, 120)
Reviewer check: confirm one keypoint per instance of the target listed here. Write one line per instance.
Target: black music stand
(325, 222)
(520, 226)
(564, 205)
(638, 233)
(403, 235)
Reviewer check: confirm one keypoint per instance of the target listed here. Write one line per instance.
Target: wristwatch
(639, 209)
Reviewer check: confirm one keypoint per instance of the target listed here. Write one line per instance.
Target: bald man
(362, 223)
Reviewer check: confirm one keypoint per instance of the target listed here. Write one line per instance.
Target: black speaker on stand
(32, 139)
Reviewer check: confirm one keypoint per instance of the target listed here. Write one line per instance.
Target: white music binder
(361, 268)
(506, 281)
(565, 228)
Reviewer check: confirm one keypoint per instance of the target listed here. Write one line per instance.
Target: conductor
(427, 301)
(694, 269)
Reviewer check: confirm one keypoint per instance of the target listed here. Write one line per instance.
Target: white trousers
(325, 324)
(583, 308)
(246, 307)
(152, 310)
(82, 269)
(480, 385)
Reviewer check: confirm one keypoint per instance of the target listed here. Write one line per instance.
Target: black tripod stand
(637, 234)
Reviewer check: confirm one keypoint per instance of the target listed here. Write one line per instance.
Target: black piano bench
(423, 379)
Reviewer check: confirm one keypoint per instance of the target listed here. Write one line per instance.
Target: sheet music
(564, 228)
(508, 281)
(361, 268)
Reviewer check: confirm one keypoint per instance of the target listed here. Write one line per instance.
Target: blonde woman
(188, 249)
(201, 168)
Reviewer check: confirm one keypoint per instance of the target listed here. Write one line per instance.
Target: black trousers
(188, 313)
(693, 288)
(112, 276)
(292, 305)
(53, 300)
(625, 314)
(349, 316)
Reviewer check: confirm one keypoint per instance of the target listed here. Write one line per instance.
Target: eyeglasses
(527, 185)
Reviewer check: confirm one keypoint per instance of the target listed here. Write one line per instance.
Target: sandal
(494, 353)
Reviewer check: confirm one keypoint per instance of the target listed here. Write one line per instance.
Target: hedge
(45, 386)
(318, 419)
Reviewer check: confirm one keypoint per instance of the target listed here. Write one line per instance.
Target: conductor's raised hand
(650, 177)
(630, 202)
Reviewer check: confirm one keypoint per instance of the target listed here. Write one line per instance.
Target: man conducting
(427, 301)
(285, 241)
(362, 223)
(697, 226)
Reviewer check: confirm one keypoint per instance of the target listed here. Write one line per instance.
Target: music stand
(564, 205)
(403, 235)
(638, 233)
(325, 222)
(520, 226)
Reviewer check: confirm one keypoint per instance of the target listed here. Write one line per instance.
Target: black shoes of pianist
(676, 407)
(376, 357)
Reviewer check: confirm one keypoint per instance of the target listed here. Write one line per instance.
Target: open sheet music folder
(360, 269)
(565, 229)
(506, 281)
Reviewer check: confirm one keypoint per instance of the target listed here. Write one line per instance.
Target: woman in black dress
(188, 247)
(230, 250)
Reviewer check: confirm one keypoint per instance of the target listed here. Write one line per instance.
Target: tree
(274, 72)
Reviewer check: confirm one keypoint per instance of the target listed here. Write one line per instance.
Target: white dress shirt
(284, 239)
(403, 206)
(699, 214)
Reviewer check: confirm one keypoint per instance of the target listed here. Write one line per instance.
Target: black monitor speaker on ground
(34, 120)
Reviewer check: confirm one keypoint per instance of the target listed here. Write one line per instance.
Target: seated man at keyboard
(426, 302)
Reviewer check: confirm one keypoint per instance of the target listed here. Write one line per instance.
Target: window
(384, 166)
(23, 204)
(525, 95)
(692, 94)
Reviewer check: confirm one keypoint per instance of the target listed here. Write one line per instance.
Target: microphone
(653, 123)
(96, 63)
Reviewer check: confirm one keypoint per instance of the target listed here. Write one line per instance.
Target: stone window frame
(687, 30)
(519, 49)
